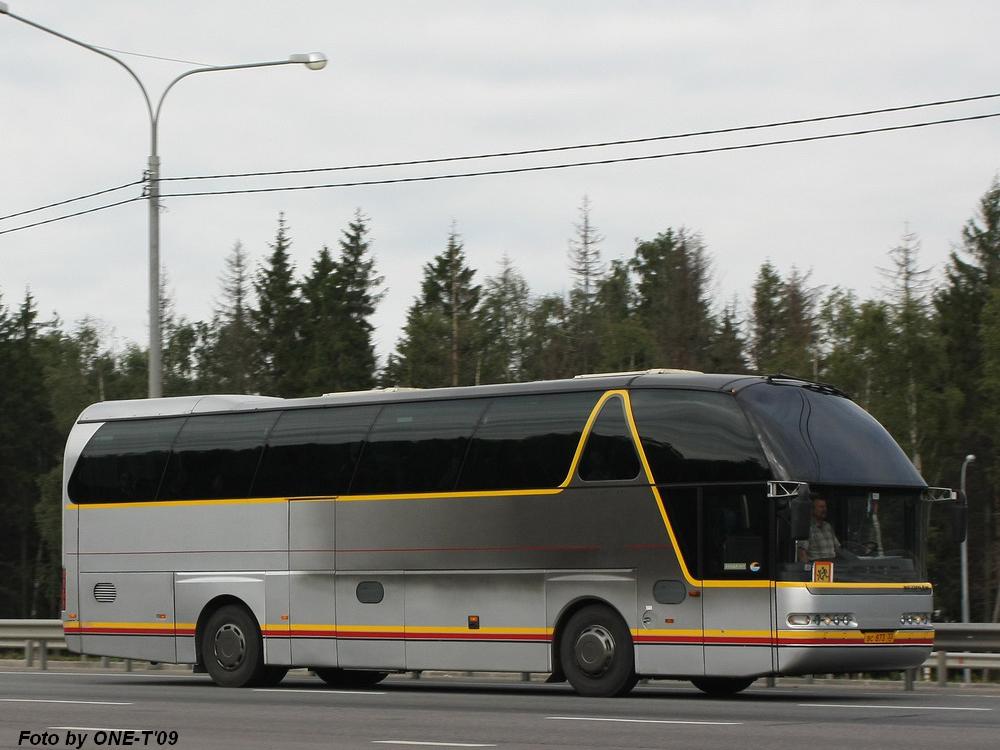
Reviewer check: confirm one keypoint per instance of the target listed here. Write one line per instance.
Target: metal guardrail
(32, 634)
(967, 636)
(957, 645)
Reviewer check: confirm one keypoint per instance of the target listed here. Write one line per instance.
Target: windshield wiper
(811, 385)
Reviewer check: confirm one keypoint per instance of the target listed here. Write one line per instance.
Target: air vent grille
(105, 593)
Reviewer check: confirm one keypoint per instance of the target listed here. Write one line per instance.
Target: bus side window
(417, 447)
(526, 442)
(697, 436)
(216, 456)
(313, 452)
(124, 461)
(609, 453)
(735, 532)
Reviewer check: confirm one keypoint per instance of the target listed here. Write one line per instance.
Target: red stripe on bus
(538, 548)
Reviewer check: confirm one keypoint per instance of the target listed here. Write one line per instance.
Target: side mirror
(959, 511)
(800, 514)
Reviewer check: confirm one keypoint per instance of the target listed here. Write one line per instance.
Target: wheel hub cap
(594, 649)
(230, 647)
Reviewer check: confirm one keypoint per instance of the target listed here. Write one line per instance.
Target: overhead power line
(517, 170)
(70, 216)
(71, 200)
(526, 152)
(599, 144)
(596, 162)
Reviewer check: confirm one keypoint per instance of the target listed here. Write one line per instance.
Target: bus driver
(823, 543)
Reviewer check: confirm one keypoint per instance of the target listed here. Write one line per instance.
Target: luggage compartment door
(130, 615)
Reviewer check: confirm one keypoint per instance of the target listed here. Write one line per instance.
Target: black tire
(722, 687)
(231, 648)
(596, 653)
(349, 678)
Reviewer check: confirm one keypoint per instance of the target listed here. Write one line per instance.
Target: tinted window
(610, 452)
(123, 461)
(681, 504)
(313, 452)
(735, 532)
(526, 442)
(417, 447)
(697, 436)
(820, 437)
(216, 456)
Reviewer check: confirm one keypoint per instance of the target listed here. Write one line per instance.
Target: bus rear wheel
(722, 687)
(232, 649)
(349, 678)
(596, 653)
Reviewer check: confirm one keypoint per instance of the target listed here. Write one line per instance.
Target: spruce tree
(548, 352)
(439, 345)
(624, 342)
(765, 338)
(674, 273)
(357, 286)
(28, 448)
(277, 321)
(727, 347)
(784, 332)
(917, 354)
(586, 268)
(179, 343)
(229, 341)
(322, 318)
(503, 324)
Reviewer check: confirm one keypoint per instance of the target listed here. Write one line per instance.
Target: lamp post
(312, 60)
(965, 557)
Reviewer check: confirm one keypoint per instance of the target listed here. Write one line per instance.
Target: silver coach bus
(715, 528)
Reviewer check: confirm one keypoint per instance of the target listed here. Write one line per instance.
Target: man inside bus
(823, 543)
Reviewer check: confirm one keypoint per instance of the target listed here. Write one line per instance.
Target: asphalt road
(405, 713)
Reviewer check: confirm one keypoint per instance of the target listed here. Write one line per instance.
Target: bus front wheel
(596, 653)
(232, 649)
(721, 687)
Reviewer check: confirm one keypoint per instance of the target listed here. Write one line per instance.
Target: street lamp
(965, 557)
(311, 60)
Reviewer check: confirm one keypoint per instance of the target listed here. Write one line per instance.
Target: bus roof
(181, 405)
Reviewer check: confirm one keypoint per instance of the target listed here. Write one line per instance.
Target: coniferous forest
(923, 357)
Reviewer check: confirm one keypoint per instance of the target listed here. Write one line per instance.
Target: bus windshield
(824, 438)
(868, 535)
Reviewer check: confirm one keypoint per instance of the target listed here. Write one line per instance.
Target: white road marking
(646, 721)
(430, 744)
(47, 673)
(319, 691)
(46, 700)
(900, 708)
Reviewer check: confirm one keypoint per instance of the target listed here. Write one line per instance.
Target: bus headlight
(915, 618)
(823, 620)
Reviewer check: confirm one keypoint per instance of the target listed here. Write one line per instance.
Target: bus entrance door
(738, 632)
(738, 596)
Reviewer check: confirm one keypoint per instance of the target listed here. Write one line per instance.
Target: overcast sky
(416, 80)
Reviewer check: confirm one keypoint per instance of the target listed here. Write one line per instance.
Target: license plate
(879, 637)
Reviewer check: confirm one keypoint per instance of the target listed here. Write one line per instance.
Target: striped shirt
(823, 542)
